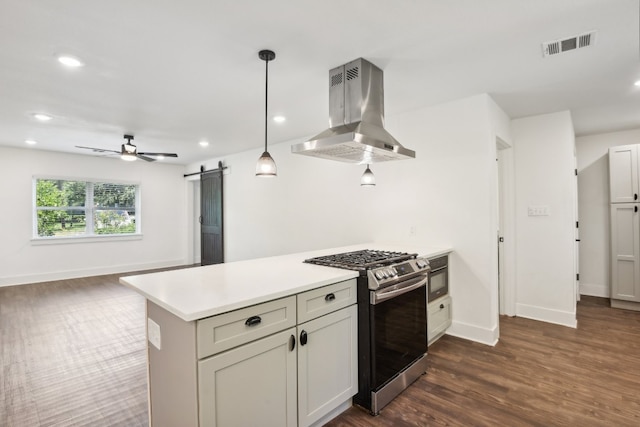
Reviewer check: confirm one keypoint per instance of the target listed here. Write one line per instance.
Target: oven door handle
(383, 295)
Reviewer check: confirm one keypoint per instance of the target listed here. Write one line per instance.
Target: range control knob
(379, 274)
(421, 263)
(393, 272)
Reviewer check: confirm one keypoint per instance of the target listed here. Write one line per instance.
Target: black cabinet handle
(292, 342)
(635, 196)
(635, 209)
(303, 337)
(329, 297)
(253, 320)
(441, 306)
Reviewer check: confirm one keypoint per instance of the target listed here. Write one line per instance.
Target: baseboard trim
(548, 315)
(594, 290)
(95, 271)
(474, 333)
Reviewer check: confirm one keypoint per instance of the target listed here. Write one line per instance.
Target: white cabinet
(439, 318)
(624, 181)
(250, 385)
(625, 252)
(623, 174)
(248, 367)
(327, 363)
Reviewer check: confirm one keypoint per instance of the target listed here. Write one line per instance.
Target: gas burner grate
(361, 260)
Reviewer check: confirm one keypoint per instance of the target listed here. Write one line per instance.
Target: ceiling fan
(130, 152)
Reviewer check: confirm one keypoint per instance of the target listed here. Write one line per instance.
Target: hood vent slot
(567, 44)
(356, 131)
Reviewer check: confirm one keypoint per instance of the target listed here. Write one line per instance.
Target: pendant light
(367, 179)
(266, 167)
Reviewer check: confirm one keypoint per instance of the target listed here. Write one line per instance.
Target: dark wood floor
(537, 375)
(72, 353)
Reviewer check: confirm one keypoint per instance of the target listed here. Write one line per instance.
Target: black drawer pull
(303, 337)
(441, 306)
(329, 297)
(292, 342)
(635, 196)
(253, 320)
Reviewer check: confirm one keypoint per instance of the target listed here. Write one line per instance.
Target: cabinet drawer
(318, 302)
(225, 331)
(439, 317)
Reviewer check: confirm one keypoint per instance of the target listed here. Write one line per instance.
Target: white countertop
(199, 292)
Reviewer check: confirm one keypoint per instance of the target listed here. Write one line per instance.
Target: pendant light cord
(266, 101)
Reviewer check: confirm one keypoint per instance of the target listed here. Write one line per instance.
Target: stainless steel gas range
(392, 321)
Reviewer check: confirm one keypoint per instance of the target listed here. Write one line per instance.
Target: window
(66, 208)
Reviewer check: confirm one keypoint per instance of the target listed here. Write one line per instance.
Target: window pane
(63, 222)
(59, 193)
(116, 196)
(113, 222)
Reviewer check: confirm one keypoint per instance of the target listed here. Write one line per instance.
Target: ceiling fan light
(129, 157)
(367, 179)
(266, 167)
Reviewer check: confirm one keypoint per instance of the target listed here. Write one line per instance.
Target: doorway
(505, 235)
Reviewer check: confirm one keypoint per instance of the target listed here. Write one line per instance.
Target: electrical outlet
(153, 332)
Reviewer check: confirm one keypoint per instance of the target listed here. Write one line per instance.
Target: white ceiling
(175, 72)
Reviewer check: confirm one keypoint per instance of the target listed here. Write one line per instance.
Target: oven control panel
(388, 275)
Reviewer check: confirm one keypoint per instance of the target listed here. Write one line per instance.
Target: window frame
(89, 209)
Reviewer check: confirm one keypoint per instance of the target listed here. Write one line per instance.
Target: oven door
(398, 321)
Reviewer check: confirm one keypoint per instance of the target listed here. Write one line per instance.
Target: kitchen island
(228, 342)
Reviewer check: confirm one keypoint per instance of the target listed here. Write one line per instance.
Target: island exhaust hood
(356, 131)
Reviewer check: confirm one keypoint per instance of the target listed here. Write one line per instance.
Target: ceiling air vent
(571, 43)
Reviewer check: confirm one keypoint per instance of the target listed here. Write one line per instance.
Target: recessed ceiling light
(42, 117)
(70, 61)
(637, 83)
(204, 143)
(30, 142)
(279, 119)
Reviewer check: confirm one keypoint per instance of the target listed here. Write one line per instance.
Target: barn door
(211, 241)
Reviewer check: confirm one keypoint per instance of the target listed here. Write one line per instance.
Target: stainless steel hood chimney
(356, 131)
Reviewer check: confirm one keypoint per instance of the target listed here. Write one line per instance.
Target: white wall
(447, 194)
(593, 197)
(164, 242)
(544, 158)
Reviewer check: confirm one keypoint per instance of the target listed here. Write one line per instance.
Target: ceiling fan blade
(98, 150)
(148, 159)
(160, 154)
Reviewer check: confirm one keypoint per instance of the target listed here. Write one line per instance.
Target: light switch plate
(153, 332)
(538, 211)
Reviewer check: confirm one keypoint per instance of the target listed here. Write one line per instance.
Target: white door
(623, 174)
(253, 395)
(327, 363)
(625, 252)
(577, 231)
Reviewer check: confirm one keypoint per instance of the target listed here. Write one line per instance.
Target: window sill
(36, 241)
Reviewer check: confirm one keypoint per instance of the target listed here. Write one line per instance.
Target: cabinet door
(625, 251)
(250, 385)
(438, 317)
(623, 174)
(327, 363)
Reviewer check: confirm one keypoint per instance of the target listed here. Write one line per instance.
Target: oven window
(398, 334)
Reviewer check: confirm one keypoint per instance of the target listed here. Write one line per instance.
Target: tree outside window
(66, 208)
